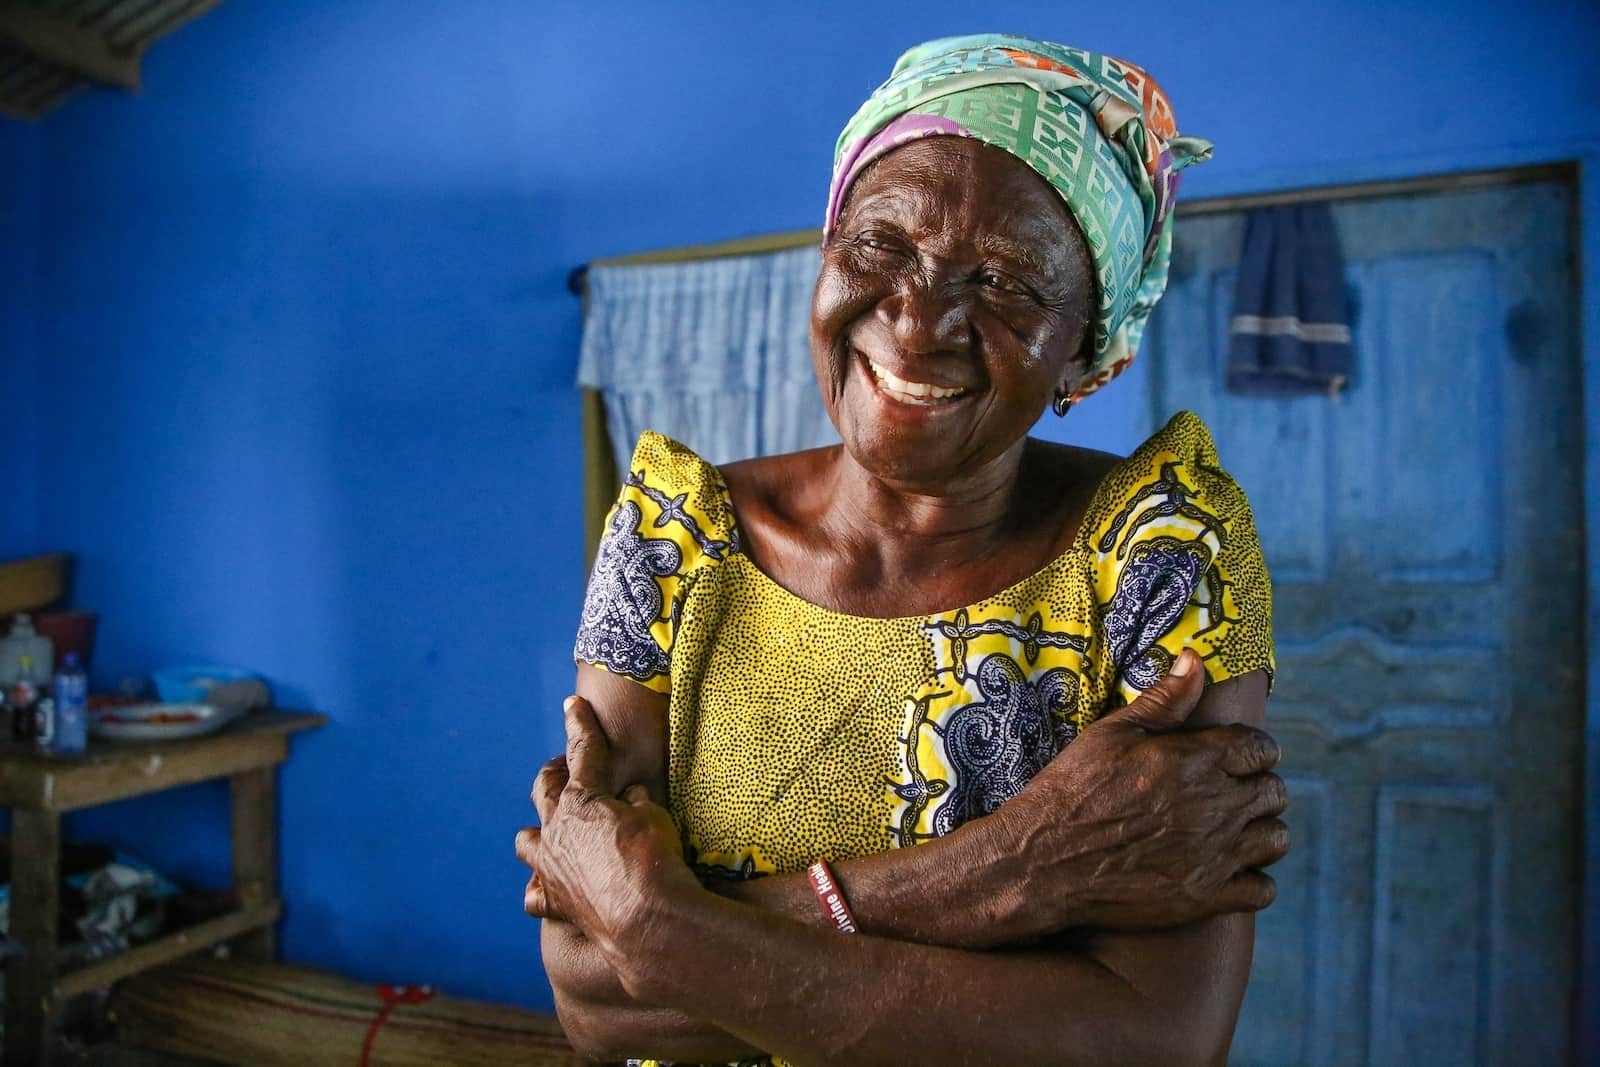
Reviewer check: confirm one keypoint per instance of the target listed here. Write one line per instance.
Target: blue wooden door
(1425, 537)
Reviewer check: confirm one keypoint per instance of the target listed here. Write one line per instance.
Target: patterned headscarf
(1099, 130)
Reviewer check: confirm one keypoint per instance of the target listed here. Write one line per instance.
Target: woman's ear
(1077, 368)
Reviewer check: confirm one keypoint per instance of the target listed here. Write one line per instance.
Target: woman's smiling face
(954, 301)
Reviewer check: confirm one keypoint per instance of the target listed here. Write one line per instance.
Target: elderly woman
(940, 634)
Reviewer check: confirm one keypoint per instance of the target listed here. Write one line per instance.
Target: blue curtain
(714, 354)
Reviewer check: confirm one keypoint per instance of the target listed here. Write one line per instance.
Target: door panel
(1432, 924)
(1425, 540)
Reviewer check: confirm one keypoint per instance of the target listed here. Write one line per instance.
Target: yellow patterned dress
(800, 733)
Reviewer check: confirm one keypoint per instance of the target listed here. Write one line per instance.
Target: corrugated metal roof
(49, 49)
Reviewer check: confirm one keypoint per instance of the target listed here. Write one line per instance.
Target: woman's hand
(605, 863)
(548, 785)
(1139, 824)
(599, 1013)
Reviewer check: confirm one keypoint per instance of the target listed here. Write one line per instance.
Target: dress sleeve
(670, 522)
(1177, 564)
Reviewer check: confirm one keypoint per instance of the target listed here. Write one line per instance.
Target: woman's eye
(994, 280)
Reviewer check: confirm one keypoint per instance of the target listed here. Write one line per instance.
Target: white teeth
(914, 390)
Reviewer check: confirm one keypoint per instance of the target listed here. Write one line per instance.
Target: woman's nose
(926, 317)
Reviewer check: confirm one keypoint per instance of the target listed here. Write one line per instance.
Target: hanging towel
(1290, 330)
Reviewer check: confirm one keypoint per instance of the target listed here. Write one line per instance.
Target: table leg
(35, 902)
(254, 796)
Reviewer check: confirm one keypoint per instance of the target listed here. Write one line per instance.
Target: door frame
(1587, 236)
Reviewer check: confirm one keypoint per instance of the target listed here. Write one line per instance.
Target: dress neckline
(1074, 549)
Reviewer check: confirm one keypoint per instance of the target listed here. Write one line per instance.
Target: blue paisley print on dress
(1000, 742)
(624, 599)
(1153, 590)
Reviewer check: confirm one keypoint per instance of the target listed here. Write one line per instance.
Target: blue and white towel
(1289, 334)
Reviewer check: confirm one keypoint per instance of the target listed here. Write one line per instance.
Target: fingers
(1269, 796)
(1247, 751)
(588, 749)
(636, 794)
(534, 901)
(1263, 843)
(528, 844)
(1247, 891)
(1167, 704)
(547, 787)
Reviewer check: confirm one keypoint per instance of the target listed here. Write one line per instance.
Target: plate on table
(158, 722)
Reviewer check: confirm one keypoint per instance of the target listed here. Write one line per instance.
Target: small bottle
(71, 689)
(22, 701)
(44, 723)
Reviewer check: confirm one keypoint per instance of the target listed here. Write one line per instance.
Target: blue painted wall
(21, 224)
(297, 323)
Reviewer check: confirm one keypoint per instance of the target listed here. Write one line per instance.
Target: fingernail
(1184, 665)
(566, 705)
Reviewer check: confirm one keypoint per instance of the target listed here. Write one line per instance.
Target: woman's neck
(835, 534)
(911, 526)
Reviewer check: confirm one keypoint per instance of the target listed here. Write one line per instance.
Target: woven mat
(243, 1012)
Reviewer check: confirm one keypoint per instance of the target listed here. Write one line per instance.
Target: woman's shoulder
(1175, 561)
(778, 495)
(660, 460)
(1095, 487)
(1173, 483)
(678, 496)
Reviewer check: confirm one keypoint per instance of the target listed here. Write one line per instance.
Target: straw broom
(246, 1012)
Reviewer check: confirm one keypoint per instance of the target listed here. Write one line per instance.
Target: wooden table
(40, 788)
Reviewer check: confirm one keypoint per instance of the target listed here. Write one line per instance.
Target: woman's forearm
(952, 891)
(927, 894)
(611, 1032)
(603, 1022)
(1125, 830)
(923, 894)
(815, 996)
(1134, 1018)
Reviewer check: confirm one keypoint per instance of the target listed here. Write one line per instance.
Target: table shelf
(173, 946)
(116, 770)
(40, 788)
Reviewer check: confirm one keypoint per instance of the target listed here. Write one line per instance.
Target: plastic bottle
(25, 644)
(71, 688)
(22, 701)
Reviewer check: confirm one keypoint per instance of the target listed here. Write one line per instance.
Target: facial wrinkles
(929, 320)
(1043, 295)
(933, 308)
(923, 226)
(934, 328)
(1018, 260)
(834, 289)
(921, 325)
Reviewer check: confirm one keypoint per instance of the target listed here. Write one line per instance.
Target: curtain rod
(742, 246)
(1434, 183)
